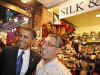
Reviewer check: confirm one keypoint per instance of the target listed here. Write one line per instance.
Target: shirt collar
(55, 60)
(27, 51)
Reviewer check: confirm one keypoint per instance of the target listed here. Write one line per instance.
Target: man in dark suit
(20, 60)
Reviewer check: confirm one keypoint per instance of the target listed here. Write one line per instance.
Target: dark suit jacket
(8, 61)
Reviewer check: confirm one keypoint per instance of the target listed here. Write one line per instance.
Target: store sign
(74, 7)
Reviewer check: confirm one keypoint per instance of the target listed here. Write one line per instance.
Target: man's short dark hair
(59, 40)
(29, 29)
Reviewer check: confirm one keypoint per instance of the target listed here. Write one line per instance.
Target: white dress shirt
(52, 68)
(26, 58)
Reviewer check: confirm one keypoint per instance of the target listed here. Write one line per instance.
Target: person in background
(2, 45)
(76, 44)
(20, 60)
(49, 64)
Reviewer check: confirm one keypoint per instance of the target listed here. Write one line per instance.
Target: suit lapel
(31, 62)
(16, 53)
(12, 58)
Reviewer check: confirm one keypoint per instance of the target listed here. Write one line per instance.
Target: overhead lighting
(26, 20)
(97, 15)
(16, 19)
(25, 1)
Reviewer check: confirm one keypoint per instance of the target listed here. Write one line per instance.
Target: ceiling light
(26, 20)
(16, 19)
(25, 1)
(97, 15)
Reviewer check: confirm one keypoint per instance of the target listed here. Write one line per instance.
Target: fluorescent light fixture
(97, 15)
(25, 1)
(50, 3)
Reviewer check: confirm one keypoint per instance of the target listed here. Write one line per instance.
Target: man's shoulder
(63, 68)
(10, 48)
(40, 64)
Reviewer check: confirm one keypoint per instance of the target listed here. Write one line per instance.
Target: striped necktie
(19, 63)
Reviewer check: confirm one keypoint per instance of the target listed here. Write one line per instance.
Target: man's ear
(58, 50)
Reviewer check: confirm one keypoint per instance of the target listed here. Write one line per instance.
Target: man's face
(25, 39)
(48, 48)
